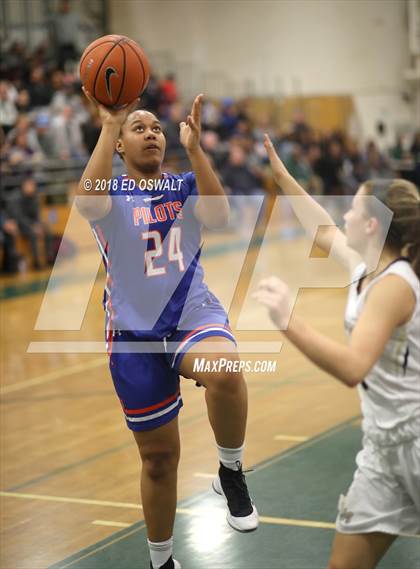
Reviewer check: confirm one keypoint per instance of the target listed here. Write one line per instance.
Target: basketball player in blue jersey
(155, 295)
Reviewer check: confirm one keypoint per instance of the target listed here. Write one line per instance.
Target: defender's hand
(274, 294)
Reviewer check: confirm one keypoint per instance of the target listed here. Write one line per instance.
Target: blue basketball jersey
(150, 244)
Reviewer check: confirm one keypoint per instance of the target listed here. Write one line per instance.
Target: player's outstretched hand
(275, 294)
(279, 169)
(190, 130)
(112, 116)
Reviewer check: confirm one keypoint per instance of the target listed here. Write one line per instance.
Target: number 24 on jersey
(174, 253)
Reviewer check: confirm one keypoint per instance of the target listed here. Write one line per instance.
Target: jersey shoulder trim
(404, 270)
(357, 273)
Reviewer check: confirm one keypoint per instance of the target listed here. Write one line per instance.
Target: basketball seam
(141, 63)
(123, 77)
(94, 47)
(100, 67)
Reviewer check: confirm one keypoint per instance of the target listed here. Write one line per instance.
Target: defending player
(150, 242)
(382, 359)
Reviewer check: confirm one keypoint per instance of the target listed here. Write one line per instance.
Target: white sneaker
(242, 515)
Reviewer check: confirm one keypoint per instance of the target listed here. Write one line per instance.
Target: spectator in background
(263, 123)
(312, 156)
(236, 174)
(28, 216)
(14, 64)
(355, 170)
(171, 127)
(283, 140)
(39, 56)
(68, 93)
(298, 166)
(151, 98)
(351, 151)
(244, 138)
(301, 130)
(66, 25)
(329, 169)
(91, 129)
(355, 175)
(415, 152)
(228, 120)
(415, 146)
(405, 157)
(211, 115)
(67, 135)
(21, 154)
(8, 232)
(214, 149)
(377, 165)
(23, 101)
(59, 98)
(169, 90)
(240, 180)
(45, 139)
(4, 154)
(396, 152)
(244, 128)
(24, 126)
(39, 89)
(8, 111)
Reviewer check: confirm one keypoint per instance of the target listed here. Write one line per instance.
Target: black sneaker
(170, 564)
(231, 484)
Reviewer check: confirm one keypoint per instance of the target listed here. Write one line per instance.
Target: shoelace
(235, 488)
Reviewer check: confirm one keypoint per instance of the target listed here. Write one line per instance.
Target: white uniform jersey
(390, 393)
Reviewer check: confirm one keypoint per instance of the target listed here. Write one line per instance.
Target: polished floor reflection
(296, 493)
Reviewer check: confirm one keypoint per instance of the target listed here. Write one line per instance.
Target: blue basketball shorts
(148, 384)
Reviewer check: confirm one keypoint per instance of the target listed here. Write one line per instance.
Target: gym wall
(283, 48)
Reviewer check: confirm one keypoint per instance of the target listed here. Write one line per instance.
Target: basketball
(114, 70)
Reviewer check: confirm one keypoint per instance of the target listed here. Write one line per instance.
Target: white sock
(231, 457)
(160, 551)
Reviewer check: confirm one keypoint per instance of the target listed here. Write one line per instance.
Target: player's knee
(229, 377)
(158, 464)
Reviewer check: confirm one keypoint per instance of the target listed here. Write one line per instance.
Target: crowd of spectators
(45, 119)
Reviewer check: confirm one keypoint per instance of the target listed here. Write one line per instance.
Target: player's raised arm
(310, 213)
(212, 213)
(349, 363)
(93, 200)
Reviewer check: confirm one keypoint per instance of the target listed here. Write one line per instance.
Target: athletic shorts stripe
(154, 415)
(194, 337)
(152, 407)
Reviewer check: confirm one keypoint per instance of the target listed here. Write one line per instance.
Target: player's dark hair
(403, 199)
